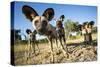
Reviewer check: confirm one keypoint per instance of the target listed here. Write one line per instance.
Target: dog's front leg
(52, 52)
(33, 47)
(64, 40)
(37, 45)
(57, 43)
(64, 50)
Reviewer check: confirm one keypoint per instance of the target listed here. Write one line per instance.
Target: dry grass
(79, 53)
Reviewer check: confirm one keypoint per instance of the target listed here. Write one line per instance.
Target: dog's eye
(36, 22)
(44, 22)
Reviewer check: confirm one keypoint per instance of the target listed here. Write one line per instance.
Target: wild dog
(60, 29)
(41, 24)
(32, 42)
(83, 32)
(86, 30)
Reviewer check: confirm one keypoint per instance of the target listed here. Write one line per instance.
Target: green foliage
(94, 30)
(72, 37)
(70, 26)
(43, 40)
(16, 34)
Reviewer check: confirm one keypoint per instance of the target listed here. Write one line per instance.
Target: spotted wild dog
(42, 25)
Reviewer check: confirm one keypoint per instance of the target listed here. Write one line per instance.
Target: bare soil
(77, 52)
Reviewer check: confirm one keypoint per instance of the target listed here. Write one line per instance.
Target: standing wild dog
(85, 33)
(41, 24)
(32, 40)
(60, 29)
(89, 27)
(86, 29)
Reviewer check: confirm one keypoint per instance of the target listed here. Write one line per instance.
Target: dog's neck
(51, 31)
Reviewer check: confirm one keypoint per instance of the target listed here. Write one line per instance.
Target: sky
(74, 12)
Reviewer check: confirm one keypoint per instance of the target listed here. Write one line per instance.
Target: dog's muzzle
(42, 31)
(42, 28)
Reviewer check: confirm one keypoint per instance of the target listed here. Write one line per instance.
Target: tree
(94, 29)
(79, 27)
(70, 26)
(17, 36)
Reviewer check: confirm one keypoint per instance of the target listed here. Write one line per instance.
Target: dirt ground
(77, 52)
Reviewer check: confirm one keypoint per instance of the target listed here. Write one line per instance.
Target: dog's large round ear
(91, 23)
(28, 31)
(29, 12)
(49, 13)
(62, 17)
(85, 23)
(35, 32)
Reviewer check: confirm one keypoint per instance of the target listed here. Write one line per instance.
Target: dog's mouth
(42, 31)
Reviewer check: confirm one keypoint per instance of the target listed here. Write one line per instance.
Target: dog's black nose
(41, 31)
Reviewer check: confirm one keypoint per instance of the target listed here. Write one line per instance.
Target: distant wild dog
(83, 31)
(60, 29)
(32, 42)
(86, 29)
(41, 24)
(89, 27)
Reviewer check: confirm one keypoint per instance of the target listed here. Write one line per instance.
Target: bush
(43, 41)
(72, 37)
